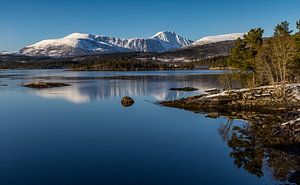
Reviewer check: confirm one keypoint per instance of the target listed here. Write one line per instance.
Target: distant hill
(195, 52)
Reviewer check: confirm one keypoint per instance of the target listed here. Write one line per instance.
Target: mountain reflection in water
(83, 91)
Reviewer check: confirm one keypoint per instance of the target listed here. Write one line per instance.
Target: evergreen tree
(238, 55)
(244, 51)
(253, 42)
(298, 26)
(282, 29)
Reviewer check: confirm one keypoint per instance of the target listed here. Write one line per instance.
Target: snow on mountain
(136, 44)
(77, 44)
(218, 38)
(171, 40)
(9, 53)
(71, 45)
(160, 42)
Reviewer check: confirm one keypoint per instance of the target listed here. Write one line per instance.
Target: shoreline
(246, 99)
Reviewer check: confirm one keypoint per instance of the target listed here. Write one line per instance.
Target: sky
(24, 22)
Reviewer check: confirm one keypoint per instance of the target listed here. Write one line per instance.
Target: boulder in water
(127, 101)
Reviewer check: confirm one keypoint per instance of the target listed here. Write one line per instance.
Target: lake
(81, 134)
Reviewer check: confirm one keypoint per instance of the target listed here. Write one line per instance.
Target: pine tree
(244, 51)
(282, 29)
(253, 41)
(298, 26)
(237, 55)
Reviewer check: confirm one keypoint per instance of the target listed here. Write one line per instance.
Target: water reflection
(83, 91)
(262, 143)
(70, 94)
(162, 142)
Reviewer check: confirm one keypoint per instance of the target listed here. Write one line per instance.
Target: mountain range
(79, 44)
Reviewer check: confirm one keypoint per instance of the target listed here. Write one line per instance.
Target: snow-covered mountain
(218, 38)
(160, 42)
(77, 44)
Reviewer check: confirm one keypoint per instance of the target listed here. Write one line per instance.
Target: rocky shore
(260, 99)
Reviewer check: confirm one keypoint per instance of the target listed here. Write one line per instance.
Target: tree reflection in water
(261, 144)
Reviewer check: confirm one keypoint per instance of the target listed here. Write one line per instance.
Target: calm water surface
(82, 135)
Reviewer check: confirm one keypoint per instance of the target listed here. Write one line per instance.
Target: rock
(127, 101)
(184, 89)
(297, 93)
(41, 85)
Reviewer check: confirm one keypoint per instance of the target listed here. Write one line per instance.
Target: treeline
(109, 62)
(138, 64)
(268, 61)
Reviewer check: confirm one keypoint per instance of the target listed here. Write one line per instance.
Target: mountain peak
(171, 39)
(79, 36)
(166, 33)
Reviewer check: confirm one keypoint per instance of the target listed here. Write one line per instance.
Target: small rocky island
(184, 89)
(42, 85)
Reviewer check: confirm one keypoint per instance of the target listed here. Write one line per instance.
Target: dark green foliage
(261, 56)
(244, 51)
(238, 55)
(282, 29)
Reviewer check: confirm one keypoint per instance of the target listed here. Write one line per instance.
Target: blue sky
(24, 22)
